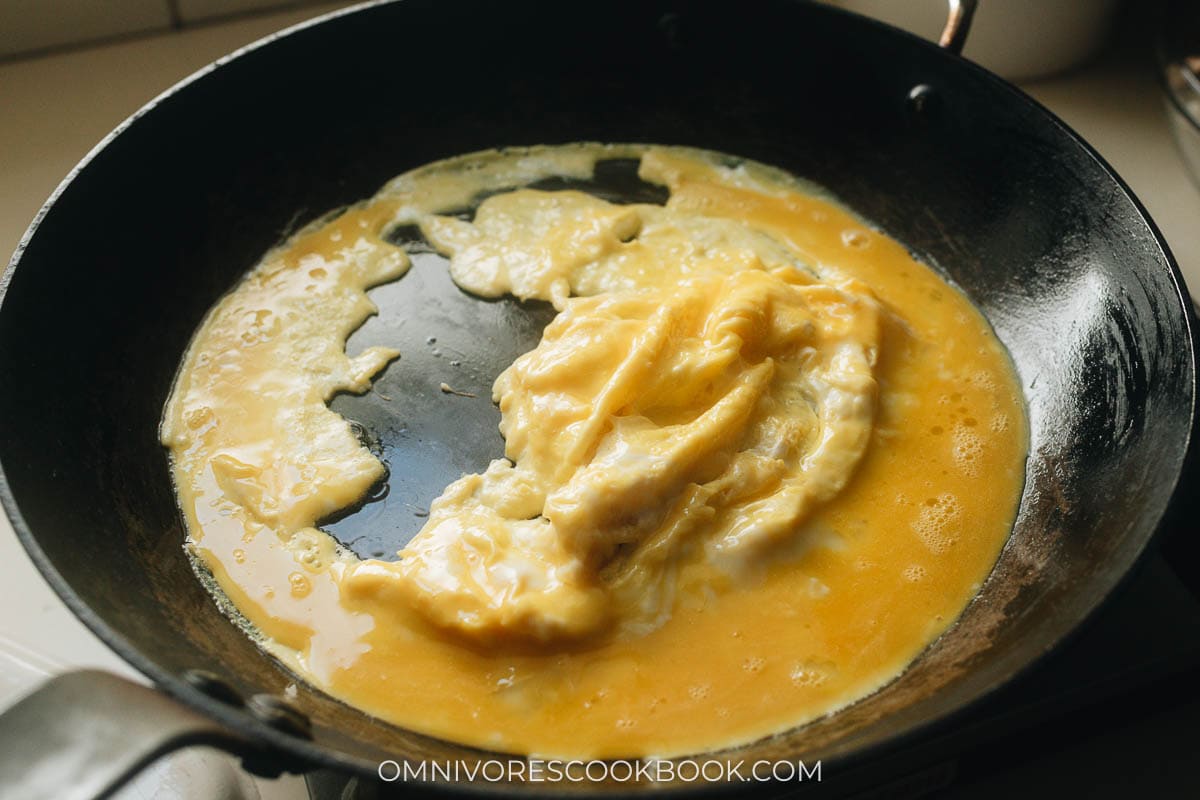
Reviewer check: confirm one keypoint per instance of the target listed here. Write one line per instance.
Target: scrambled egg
(704, 396)
(682, 452)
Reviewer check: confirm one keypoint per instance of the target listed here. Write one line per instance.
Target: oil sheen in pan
(438, 326)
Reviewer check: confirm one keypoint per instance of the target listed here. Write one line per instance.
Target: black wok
(116, 273)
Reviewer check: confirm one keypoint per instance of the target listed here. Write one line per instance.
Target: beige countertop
(53, 110)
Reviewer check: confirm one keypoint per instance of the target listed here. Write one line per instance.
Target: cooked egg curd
(759, 460)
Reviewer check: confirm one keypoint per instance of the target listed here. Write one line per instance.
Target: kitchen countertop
(53, 111)
(54, 108)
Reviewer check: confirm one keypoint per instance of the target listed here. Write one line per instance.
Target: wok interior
(980, 184)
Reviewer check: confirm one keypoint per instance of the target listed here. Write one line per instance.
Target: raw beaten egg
(759, 460)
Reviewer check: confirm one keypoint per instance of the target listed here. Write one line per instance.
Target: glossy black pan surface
(973, 177)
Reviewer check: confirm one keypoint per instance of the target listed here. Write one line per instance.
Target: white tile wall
(192, 10)
(31, 25)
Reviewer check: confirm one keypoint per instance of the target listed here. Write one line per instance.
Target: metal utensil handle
(82, 734)
(958, 25)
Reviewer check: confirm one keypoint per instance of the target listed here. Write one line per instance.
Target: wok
(119, 268)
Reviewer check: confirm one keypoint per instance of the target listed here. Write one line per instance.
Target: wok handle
(82, 734)
(958, 24)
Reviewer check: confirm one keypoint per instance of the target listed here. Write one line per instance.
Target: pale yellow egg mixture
(759, 460)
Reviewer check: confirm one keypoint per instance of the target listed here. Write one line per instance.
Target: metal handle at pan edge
(81, 735)
(958, 25)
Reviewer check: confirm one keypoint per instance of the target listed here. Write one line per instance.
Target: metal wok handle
(81, 735)
(958, 24)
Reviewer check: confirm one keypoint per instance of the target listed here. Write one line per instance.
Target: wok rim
(319, 756)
